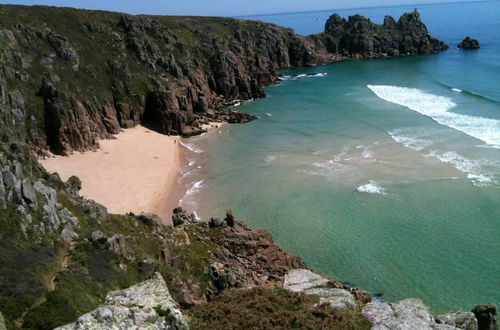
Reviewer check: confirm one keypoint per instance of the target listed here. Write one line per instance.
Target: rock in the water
(147, 305)
(459, 319)
(240, 117)
(469, 43)
(402, 315)
(486, 316)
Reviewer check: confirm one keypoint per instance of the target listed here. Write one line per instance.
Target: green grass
(261, 308)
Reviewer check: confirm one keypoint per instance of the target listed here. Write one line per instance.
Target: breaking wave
(437, 107)
(372, 188)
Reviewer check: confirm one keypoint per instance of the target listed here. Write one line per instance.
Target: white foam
(191, 147)
(270, 158)
(303, 75)
(191, 163)
(410, 142)
(194, 189)
(456, 90)
(372, 188)
(473, 168)
(437, 108)
(269, 114)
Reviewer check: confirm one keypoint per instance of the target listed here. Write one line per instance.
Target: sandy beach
(135, 172)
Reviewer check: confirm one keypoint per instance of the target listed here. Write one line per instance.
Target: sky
(217, 7)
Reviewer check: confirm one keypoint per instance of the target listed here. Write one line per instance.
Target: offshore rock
(147, 305)
(469, 43)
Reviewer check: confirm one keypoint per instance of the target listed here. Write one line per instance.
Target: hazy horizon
(226, 7)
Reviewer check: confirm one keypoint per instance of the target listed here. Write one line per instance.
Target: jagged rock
(118, 244)
(150, 219)
(74, 185)
(469, 43)
(405, 314)
(64, 50)
(147, 305)
(486, 316)
(67, 217)
(147, 267)
(180, 217)
(68, 234)
(222, 278)
(9, 180)
(214, 222)
(240, 117)
(49, 209)
(229, 218)
(29, 193)
(459, 319)
(99, 240)
(94, 210)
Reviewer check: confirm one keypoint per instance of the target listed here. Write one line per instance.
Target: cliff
(77, 76)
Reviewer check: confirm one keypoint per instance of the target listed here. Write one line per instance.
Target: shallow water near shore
(383, 173)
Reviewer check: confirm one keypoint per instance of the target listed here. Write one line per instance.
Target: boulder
(68, 234)
(299, 280)
(94, 210)
(214, 222)
(28, 192)
(229, 218)
(459, 319)
(150, 219)
(486, 316)
(405, 314)
(147, 305)
(74, 185)
(180, 217)
(469, 43)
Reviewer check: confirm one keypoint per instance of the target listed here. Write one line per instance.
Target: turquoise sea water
(383, 173)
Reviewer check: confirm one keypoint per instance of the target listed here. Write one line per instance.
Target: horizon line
(353, 8)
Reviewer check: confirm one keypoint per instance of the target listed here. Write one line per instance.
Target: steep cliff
(77, 76)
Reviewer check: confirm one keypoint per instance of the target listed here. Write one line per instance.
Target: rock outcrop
(486, 316)
(89, 74)
(405, 314)
(147, 305)
(358, 37)
(469, 43)
(304, 280)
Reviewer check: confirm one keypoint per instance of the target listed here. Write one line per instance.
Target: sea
(382, 173)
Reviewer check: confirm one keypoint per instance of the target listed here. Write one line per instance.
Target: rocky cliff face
(360, 38)
(78, 76)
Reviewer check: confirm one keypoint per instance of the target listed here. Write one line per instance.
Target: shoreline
(137, 167)
(136, 172)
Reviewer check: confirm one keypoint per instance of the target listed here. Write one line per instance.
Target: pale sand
(136, 172)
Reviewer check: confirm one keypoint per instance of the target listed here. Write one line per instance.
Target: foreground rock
(487, 318)
(413, 314)
(304, 280)
(147, 305)
(469, 43)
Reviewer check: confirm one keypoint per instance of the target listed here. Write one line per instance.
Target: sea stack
(469, 43)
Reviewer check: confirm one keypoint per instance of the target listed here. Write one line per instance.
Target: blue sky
(217, 7)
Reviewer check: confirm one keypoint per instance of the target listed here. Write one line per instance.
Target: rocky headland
(71, 77)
